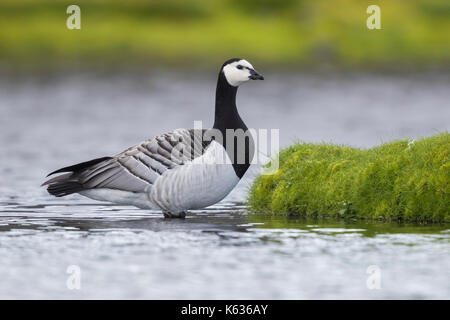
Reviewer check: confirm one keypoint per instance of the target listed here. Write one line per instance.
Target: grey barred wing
(138, 167)
(135, 169)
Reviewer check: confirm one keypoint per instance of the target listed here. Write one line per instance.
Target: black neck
(227, 117)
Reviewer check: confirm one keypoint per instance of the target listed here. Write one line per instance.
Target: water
(220, 252)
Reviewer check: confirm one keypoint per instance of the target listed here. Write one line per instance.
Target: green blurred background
(289, 34)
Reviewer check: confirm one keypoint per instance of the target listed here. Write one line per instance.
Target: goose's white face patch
(237, 72)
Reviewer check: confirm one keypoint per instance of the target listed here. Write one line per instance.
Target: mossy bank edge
(403, 180)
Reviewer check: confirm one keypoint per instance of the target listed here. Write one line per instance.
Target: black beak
(255, 75)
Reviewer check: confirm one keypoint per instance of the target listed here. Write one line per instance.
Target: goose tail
(68, 183)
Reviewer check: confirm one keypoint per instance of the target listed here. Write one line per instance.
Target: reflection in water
(219, 252)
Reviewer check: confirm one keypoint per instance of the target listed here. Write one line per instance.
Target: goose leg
(169, 215)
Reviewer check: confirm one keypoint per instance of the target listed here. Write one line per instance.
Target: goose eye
(240, 67)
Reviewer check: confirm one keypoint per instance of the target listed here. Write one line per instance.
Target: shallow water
(220, 252)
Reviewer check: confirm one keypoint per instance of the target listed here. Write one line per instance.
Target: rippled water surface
(223, 251)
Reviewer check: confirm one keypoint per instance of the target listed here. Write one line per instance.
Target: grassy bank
(290, 33)
(402, 180)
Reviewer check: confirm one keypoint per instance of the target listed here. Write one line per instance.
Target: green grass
(288, 34)
(401, 180)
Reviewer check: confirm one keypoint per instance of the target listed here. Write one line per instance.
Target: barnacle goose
(176, 171)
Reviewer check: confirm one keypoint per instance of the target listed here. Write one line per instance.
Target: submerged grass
(402, 180)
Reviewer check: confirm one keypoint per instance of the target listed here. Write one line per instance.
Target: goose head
(237, 71)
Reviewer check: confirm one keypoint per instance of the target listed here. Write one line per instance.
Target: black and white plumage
(176, 171)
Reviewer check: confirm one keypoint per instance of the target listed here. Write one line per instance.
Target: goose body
(177, 171)
(140, 180)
